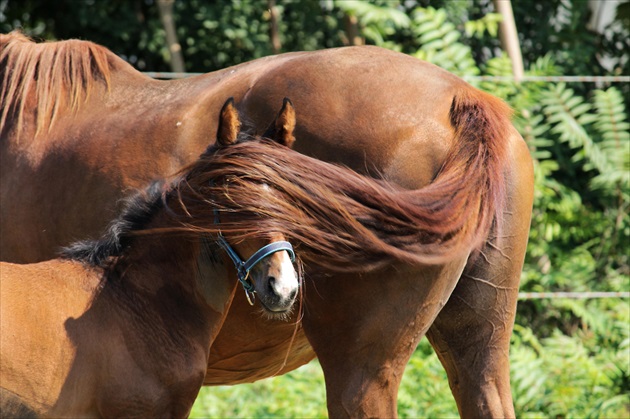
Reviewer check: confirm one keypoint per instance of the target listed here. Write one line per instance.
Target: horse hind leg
(365, 339)
(471, 337)
(471, 334)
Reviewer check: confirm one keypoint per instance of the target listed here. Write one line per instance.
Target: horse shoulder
(36, 300)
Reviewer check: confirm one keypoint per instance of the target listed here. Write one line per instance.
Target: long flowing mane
(137, 211)
(59, 74)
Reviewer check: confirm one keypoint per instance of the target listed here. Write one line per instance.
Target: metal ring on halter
(250, 295)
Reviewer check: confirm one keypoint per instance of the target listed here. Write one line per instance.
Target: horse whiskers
(276, 316)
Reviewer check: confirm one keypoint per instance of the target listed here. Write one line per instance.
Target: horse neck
(184, 261)
(154, 317)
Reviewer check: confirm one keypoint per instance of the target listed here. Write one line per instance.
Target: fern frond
(612, 124)
(377, 21)
(440, 42)
(534, 130)
(490, 22)
(570, 115)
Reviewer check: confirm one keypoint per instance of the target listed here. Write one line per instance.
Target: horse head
(265, 266)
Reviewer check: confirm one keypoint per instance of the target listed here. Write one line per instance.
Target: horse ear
(281, 130)
(229, 124)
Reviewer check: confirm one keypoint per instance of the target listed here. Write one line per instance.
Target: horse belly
(250, 347)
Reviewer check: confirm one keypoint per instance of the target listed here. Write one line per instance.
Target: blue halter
(243, 267)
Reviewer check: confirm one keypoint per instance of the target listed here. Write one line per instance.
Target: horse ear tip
(229, 103)
(229, 123)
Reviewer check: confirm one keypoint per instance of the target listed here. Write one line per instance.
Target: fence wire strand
(571, 295)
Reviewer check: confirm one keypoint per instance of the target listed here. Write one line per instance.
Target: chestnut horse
(79, 128)
(122, 326)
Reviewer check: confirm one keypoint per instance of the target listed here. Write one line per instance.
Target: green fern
(377, 22)
(571, 116)
(614, 129)
(440, 44)
(500, 66)
(559, 377)
(489, 22)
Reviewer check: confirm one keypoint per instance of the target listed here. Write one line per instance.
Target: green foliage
(440, 44)
(613, 127)
(378, 21)
(424, 390)
(489, 22)
(562, 376)
(300, 393)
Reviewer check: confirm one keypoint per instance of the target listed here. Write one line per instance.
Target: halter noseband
(243, 267)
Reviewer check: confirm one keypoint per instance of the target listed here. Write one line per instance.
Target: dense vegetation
(570, 358)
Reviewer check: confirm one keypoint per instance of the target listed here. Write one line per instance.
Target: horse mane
(337, 219)
(137, 210)
(59, 74)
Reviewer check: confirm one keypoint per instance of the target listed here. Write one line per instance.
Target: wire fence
(571, 295)
(554, 79)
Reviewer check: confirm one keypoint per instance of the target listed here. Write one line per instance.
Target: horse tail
(455, 214)
(469, 190)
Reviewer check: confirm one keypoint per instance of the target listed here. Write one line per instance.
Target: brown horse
(122, 326)
(80, 127)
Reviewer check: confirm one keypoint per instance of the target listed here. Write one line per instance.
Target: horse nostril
(279, 290)
(271, 284)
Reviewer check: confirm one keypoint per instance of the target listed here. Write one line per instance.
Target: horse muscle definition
(456, 243)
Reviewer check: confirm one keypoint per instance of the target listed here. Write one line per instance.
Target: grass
(559, 376)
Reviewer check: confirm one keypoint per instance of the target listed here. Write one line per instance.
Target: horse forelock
(60, 75)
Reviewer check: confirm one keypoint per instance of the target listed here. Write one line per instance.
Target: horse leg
(471, 335)
(365, 328)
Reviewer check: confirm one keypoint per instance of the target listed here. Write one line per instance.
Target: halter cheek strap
(243, 267)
